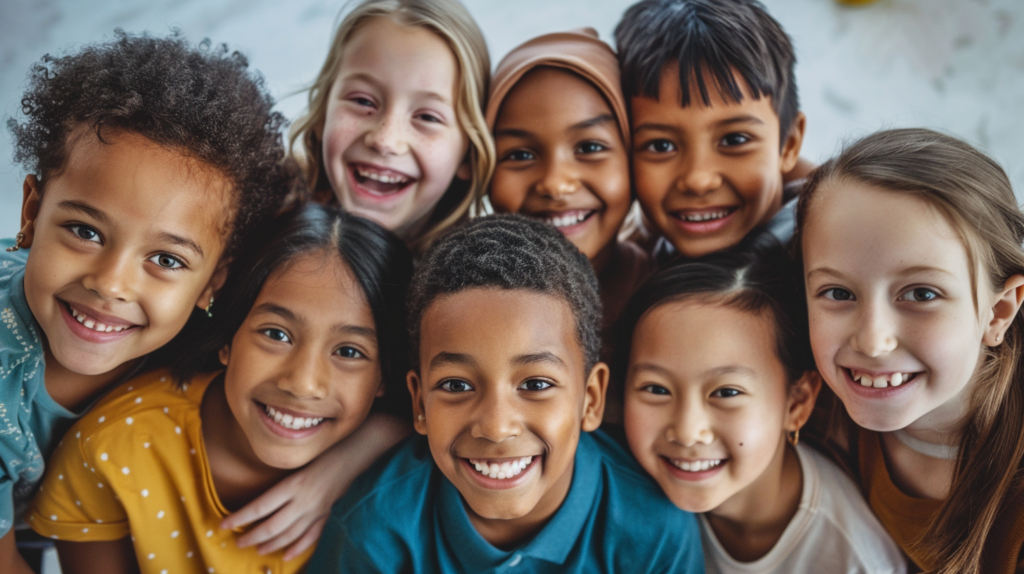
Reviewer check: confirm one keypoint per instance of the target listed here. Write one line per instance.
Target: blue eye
(455, 386)
(725, 393)
(591, 147)
(431, 118)
(660, 146)
(655, 390)
(349, 352)
(920, 295)
(85, 232)
(837, 294)
(277, 335)
(734, 139)
(535, 385)
(362, 101)
(167, 261)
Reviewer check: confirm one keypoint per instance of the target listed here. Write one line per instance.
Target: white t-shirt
(833, 531)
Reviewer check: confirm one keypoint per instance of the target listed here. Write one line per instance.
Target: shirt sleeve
(6, 504)
(76, 501)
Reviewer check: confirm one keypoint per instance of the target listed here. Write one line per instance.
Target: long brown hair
(452, 22)
(975, 196)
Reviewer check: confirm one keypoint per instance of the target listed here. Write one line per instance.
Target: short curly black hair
(509, 252)
(203, 101)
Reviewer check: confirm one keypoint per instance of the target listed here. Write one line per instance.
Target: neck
(507, 533)
(75, 391)
(239, 476)
(749, 524)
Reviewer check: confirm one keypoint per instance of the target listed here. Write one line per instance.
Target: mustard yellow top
(136, 465)
(907, 517)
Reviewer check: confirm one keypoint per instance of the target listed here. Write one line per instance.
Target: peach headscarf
(579, 51)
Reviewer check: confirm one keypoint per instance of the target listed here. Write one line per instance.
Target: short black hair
(509, 252)
(755, 277)
(713, 37)
(202, 101)
(379, 261)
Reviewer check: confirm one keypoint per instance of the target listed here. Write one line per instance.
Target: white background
(955, 65)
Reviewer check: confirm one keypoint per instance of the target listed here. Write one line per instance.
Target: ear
(220, 275)
(465, 171)
(593, 397)
(802, 395)
(30, 199)
(1004, 310)
(790, 152)
(419, 421)
(380, 389)
(224, 354)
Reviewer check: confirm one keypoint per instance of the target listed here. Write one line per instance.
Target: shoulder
(21, 349)
(399, 479)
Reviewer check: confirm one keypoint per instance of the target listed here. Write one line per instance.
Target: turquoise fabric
(29, 418)
(403, 515)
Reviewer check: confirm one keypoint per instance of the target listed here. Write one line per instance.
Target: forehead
(494, 326)
(320, 287)
(668, 105)
(551, 99)
(869, 231)
(411, 56)
(690, 338)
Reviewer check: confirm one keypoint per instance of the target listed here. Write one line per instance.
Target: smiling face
(302, 370)
(707, 403)
(125, 243)
(504, 394)
(561, 158)
(707, 175)
(391, 140)
(894, 326)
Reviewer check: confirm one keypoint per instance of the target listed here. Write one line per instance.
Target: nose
(700, 173)
(388, 135)
(305, 374)
(112, 276)
(691, 426)
(875, 331)
(496, 418)
(559, 180)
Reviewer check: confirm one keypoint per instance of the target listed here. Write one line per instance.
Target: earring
(999, 337)
(208, 313)
(793, 437)
(420, 417)
(17, 242)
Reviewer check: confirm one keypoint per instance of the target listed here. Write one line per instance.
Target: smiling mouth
(562, 219)
(379, 181)
(291, 422)
(503, 469)
(95, 324)
(880, 381)
(703, 216)
(695, 465)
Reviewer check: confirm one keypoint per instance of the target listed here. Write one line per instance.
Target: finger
(277, 525)
(264, 505)
(289, 535)
(308, 539)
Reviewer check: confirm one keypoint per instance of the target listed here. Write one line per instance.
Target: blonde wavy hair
(450, 20)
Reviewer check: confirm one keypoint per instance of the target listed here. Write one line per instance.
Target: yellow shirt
(136, 465)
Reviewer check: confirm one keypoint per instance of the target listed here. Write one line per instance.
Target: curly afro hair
(509, 252)
(203, 101)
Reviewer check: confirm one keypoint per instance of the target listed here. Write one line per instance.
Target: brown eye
(456, 386)
(535, 385)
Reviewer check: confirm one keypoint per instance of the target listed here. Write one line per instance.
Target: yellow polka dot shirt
(136, 466)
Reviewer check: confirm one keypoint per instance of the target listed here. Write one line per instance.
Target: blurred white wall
(955, 65)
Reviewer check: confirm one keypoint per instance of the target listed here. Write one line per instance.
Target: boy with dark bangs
(715, 121)
(504, 315)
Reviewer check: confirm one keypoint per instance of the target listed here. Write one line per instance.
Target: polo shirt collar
(555, 540)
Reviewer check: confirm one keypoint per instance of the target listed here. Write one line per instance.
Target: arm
(295, 510)
(10, 560)
(109, 557)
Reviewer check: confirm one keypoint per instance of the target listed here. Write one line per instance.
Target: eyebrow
(82, 207)
(595, 121)
(181, 242)
(446, 358)
(657, 127)
(744, 119)
(289, 315)
(709, 374)
(420, 93)
(829, 272)
(533, 358)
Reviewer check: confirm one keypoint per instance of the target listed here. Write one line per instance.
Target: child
(716, 383)
(150, 162)
(308, 336)
(561, 133)
(504, 317)
(911, 244)
(395, 129)
(715, 121)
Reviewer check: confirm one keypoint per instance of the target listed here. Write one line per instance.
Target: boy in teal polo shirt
(504, 319)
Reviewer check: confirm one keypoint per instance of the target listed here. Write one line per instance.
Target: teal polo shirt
(403, 515)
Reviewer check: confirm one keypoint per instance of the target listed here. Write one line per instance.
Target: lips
(377, 181)
(500, 473)
(693, 469)
(93, 326)
(704, 220)
(290, 424)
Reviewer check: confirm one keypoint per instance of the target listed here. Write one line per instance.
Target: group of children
(216, 348)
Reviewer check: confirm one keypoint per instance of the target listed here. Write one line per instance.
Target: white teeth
(695, 466)
(507, 469)
(897, 379)
(93, 324)
(698, 217)
(881, 381)
(569, 219)
(290, 422)
(380, 177)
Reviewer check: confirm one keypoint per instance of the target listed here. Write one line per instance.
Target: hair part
(450, 20)
(709, 39)
(975, 196)
(509, 252)
(203, 102)
(378, 260)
